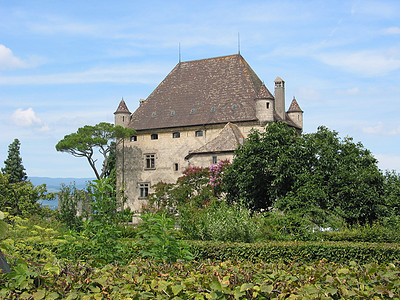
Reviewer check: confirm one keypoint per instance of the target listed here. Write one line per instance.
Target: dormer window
(154, 136)
(213, 108)
(234, 106)
(172, 113)
(153, 114)
(192, 111)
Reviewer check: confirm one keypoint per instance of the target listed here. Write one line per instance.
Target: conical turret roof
(122, 108)
(294, 106)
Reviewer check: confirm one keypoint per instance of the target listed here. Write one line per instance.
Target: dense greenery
(84, 142)
(282, 169)
(13, 164)
(293, 216)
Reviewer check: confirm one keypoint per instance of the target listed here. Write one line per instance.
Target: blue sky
(66, 64)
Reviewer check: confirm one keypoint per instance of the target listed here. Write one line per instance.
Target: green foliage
(13, 164)
(279, 168)
(196, 187)
(204, 280)
(20, 198)
(99, 238)
(73, 206)
(84, 142)
(289, 251)
(219, 221)
(159, 239)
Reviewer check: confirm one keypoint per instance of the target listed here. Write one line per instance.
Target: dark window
(143, 189)
(133, 138)
(214, 160)
(176, 167)
(154, 136)
(267, 105)
(176, 135)
(199, 133)
(150, 161)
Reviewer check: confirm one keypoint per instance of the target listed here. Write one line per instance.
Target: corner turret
(295, 113)
(264, 106)
(122, 115)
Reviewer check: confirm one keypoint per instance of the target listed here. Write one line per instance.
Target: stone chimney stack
(280, 97)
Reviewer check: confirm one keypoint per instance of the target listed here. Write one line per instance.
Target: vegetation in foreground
(317, 230)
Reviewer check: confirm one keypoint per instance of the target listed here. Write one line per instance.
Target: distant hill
(54, 184)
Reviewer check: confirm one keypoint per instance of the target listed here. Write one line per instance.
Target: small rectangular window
(133, 138)
(176, 135)
(214, 160)
(176, 167)
(154, 136)
(199, 133)
(143, 189)
(150, 161)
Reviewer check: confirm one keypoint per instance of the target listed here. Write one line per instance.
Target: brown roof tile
(122, 108)
(207, 91)
(227, 140)
(294, 106)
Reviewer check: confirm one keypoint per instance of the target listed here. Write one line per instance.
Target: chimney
(280, 97)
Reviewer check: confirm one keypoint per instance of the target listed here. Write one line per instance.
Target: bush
(219, 221)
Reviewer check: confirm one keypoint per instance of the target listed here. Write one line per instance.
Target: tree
(263, 168)
(87, 138)
(13, 164)
(310, 172)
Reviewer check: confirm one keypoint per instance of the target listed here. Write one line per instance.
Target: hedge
(338, 252)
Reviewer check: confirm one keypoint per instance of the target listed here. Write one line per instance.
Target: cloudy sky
(65, 64)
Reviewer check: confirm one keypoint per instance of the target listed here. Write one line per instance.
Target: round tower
(264, 106)
(295, 113)
(122, 115)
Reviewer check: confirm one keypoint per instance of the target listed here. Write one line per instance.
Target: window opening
(133, 138)
(154, 136)
(267, 105)
(199, 133)
(214, 160)
(150, 161)
(172, 113)
(176, 135)
(234, 106)
(213, 108)
(144, 189)
(192, 111)
(176, 167)
(153, 114)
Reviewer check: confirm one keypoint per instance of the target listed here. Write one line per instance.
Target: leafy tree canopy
(84, 142)
(283, 169)
(13, 164)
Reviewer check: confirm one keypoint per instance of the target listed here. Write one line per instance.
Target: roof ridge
(209, 58)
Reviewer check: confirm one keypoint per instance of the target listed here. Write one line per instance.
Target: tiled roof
(294, 106)
(207, 91)
(122, 108)
(227, 140)
(264, 93)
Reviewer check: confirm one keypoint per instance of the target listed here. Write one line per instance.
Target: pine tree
(13, 164)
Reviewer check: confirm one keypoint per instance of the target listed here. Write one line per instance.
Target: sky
(66, 64)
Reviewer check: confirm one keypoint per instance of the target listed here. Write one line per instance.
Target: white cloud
(382, 129)
(367, 63)
(308, 94)
(351, 91)
(392, 30)
(8, 60)
(143, 73)
(25, 118)
(388, 162)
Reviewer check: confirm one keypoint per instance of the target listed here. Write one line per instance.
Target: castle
(197, 116)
